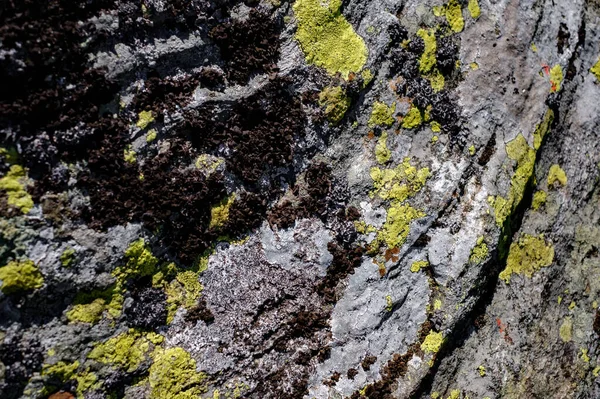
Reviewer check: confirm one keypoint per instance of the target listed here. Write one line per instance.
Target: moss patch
(479, 252)
(382, 115)
(427, 60)
(382, 152)
(327, 38)
(432, 342)
(412, 119)
(144, 119)
(20, 277)
(474, 9)
(173, 375)
(454, 16)
(336, 103)
(556, 174)
(526, 256)
(14, 184)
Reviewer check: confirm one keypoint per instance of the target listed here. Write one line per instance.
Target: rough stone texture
(197, 126)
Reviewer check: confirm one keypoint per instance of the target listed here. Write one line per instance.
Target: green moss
(427, 60)
(14, 184)
(382, 115)
(556, 78)
(87, 313)
(184, 291)
(220, 213)
(412, 119)
(144, 119)
(151, 135)
(418, 265)
(400, 183)
(517, 150)
(539, 199)
(20, 277)
(556, 174)
(526, 256)
(454, 16)
(436, 79)
(479, 252)
(596, 70)
(67, 257)
(474, 9)
(542, 128)
(173, 375)
(129, 155)
(327, 38)
(397, 224)
(126, 351)
(435, 127)
(566, 330)
(336, 103)
(382, 153)
(432, 342)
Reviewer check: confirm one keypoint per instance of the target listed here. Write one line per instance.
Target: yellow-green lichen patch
(539, 199)
(14, 184)
(412, 119)
(432, 342)
(184, 291)
(479, 252)
(208, 164)
(454, 394)
(596, 70)
(399, 183)
(389, 303)
(427, 60)
(418, 265)
(556, 78)
(541, 129)
(435, 127)
(10, 155)
(87, 312)
(67, 257)
(526, 256)
(382, 115)
(397, 224)
(472, 150)
(481, 370)
(68, 372)
(336, 103)
(20, 277)
(517, 150)
(144, 119)
(140, 262)
(220, 213)
(173, 375)
(566, 330)
(126, 351)
(367, 76)
(556, 175)
(434, 139)
(533, 47)
(436, 79)
(129, 155)
(382, 152)
(151, 135)
(454, 16)
(474, 9)
(327, 38)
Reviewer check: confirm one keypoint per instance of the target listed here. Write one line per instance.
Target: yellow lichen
(566, 330)
(596, 70)
(367, 76)
(382, 153)
(481, 370)
(418, 265)
(126, 351)
(539, 199)
(151, 135)
(336, 103)
(13, 183)
(437, 304)
(432, 342)
(389, 303)
(220, 213)
(184, 291)
(436, 79)
(412, 119)
(474, 66)
(427, 60)
(397, 224)
(87, 313)
(454, 16)
(542, 128)
(435, 127)
(474, 9)
(327, 38)
(533, 47)
(454, 394)
(556, 174)
(144, 119)
(129, 155)
(526, 256)
(399, 183)
(173, 375)
(68, 372)
(556, 78)
(20, 277)
(472, 150)
(479, 252)
(382, 115)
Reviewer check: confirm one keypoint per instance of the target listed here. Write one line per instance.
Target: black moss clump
(249, 46)
(148, 310)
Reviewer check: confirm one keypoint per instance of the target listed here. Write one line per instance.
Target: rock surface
(265, 199)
